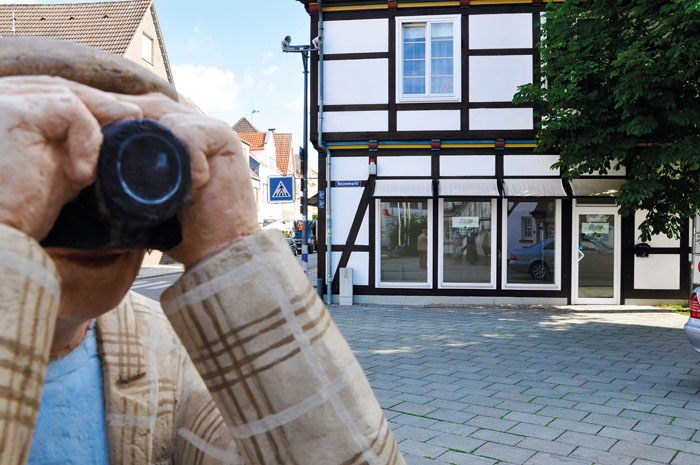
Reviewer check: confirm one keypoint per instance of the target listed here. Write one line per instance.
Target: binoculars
(143, 178)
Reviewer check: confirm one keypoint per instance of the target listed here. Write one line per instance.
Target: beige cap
(31, 56)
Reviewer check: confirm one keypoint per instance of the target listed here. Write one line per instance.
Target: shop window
(428, 58)
(467, 247)
(532, 243)
(404, 235)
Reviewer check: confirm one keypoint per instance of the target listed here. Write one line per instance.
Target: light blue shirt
(70, 429)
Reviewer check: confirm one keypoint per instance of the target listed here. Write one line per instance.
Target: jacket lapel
(130, 397)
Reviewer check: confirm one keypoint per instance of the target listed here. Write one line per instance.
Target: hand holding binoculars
(143, 177)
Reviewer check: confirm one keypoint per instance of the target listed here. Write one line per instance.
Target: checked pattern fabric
(276, 365)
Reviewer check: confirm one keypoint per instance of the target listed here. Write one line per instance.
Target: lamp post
(304, 50)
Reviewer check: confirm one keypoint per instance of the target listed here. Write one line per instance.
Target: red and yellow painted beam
(390, 5)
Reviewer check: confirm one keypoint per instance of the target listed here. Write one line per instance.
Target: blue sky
(226, 56)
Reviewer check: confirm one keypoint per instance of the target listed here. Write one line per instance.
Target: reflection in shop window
(466, 241)
(531, 255)
(404, 241)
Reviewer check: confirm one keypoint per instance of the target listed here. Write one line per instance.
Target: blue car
(536, 259)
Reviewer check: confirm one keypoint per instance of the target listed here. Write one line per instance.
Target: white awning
(403, 188)
(534, 187)
(596, 187)
(468, 188)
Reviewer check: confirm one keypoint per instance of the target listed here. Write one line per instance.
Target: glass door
(596, 256)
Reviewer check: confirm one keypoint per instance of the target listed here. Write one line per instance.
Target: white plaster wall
(500, 31)
(656, 241)
(403, 166)
(500, 119)
(356, 82)
(428, 120)
(657, 272)
(134, 51)
(356, 36)
(355, 121)
(529, 165)
(344, 203)
(349, 168)
(622, 171)
(496, 78)
(359, 262)
(468, 165)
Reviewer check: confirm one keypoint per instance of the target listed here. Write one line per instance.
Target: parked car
(537, 259)
(292, 245)
(692, 327)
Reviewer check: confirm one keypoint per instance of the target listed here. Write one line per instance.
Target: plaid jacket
(255, 371)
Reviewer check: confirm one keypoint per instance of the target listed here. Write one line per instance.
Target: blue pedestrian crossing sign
(281, 189)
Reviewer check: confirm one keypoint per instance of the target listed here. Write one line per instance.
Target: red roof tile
(283, 146)
(255, 139)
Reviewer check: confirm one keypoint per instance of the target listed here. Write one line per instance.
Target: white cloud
(214, 90)
(271, 70)
(297, 103)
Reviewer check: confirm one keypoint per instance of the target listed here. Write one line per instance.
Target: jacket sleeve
(29, 297)
(276, 365)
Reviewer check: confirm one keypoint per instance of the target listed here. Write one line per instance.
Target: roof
(245, 126)
(108, 26)
(256, 140)
(283, 146)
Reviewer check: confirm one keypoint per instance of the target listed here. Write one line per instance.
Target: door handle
(580, 256)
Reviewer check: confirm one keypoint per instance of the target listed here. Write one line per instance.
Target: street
(152, 287)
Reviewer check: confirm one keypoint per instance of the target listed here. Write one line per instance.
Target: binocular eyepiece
(143, 178)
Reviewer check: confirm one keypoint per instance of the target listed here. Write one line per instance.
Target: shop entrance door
(596, 255)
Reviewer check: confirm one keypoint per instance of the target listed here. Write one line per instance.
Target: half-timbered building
(436, 195)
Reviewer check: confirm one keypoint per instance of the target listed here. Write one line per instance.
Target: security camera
(317, 42)
(286, 41)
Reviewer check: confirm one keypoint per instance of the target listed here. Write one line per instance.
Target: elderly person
(242, 364)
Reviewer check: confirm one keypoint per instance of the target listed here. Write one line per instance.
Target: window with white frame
(428, 58)
(466, 254)
(147, 48)
(534, 262)
(404, 235)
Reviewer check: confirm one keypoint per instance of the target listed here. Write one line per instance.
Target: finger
(154, 105)
(194, 140)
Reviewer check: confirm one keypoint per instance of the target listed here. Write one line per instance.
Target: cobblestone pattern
(531, 386)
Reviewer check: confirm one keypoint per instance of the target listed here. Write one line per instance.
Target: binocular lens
(149, 168)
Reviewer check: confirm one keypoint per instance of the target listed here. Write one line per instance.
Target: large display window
(404, 238)
(532, 243)
(467, 244)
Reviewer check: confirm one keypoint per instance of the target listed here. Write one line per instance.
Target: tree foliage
(621, 87)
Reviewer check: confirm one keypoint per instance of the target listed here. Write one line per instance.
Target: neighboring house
(461, 209)
(126, 28)
(271, 153)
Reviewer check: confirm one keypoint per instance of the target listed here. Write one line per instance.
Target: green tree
(621, 87)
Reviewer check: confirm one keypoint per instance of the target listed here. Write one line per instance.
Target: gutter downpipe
(329, 229)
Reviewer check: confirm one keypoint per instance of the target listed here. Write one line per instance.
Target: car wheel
(539, 270)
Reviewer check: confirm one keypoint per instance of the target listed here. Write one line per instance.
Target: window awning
(403, 188)
(468, 188)
(596, 187)
(534, 187)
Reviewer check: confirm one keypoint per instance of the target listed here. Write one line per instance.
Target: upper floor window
(428, 58)
(147, 48)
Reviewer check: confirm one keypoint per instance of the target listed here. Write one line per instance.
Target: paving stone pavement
(533, 386)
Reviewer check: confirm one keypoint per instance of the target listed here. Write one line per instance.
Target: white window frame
(456, 21)
(494, 242)
(557, 249)
(145, 36)
(378, 248)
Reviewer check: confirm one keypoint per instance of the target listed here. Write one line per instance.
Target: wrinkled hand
(221, 209)
(50, 139)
